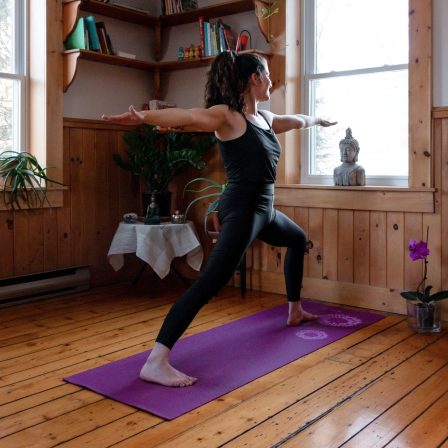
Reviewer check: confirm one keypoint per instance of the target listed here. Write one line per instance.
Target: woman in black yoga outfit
(250, 151)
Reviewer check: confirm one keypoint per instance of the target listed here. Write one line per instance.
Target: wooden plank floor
(381, 386)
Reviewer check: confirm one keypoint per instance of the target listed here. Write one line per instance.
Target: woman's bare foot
(157, 369)
(166, 375)
(297, 315)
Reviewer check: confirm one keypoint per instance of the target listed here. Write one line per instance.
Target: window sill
(54, 195)
(421, 200)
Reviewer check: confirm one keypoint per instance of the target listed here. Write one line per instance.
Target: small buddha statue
(349, 173)
(152, 213)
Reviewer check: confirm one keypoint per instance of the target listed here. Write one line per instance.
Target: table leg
(137, 277)
(184, 280)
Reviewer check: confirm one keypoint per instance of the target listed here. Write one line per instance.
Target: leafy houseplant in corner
(423, 307)
(156, 157)
(23, 180)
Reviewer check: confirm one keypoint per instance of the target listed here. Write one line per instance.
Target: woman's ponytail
(228, 77)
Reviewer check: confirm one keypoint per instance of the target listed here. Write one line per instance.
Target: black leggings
(246, 213)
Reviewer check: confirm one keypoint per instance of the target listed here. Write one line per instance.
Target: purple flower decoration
(418, 251)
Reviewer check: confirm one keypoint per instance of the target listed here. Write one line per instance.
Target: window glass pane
(8, 124)
(375, 107)
(6, 36)
(353, 34)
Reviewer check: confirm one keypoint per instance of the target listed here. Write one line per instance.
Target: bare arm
(208, 120)
(284, 123)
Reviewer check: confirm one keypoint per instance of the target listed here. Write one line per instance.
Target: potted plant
(264, 10)
(156, 157)
(211, 190)
(423, 307)
(23, 180)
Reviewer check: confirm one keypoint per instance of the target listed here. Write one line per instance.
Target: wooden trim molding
(88, 123)
(344, 293)
(356, 198)
(45, 80)
(440, 112)
(420, 93)
(54, 196)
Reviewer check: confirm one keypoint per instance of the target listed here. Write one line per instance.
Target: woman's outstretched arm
(284, 123)
(208, 120)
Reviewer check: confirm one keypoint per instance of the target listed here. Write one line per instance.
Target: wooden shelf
(202, 62)
(71, 63)
(71, 11)
(119, 12)
(219, 10)
(71, 57)
(142, 18)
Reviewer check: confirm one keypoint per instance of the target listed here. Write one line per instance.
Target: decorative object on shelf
(176, 7)
(180, 54)
(156, 157)
(349, 173)
(130, 218)
(153, 212)
(76, 39)
(212, 189)
(23, 180)
(244, 41)
(264, 10)
(159, 104)
(177, 218)
(423, 308)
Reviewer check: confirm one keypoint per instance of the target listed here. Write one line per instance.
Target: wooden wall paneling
(36, 240)
(437, 167)
(76, 210)
(50, 239)
(301, 218)
(444, 201)
(395, 249)
(378, 255)
(103, 201)
(361, 247)
(274, 258)
(330, 245)
(129, 199)
(63, 213)
(345, 246)
(289, 212)
(435, 263)
(413, 225)
(21, 246)
(315, 222)
(113, 187)
(7, 253)
(89, 196)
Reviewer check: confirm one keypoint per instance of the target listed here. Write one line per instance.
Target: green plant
(267, 8)
(157, 157)
(23, 180)
(212, 189)
(420, 251)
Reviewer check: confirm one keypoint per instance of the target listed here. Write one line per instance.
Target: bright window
(356, 72)
(12, 75)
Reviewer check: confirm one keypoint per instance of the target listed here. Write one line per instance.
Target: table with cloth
(156, 245)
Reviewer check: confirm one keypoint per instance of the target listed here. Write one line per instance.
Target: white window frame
(20, 74)
(308, 39)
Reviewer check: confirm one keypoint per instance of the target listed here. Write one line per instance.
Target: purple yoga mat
(224, 358)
